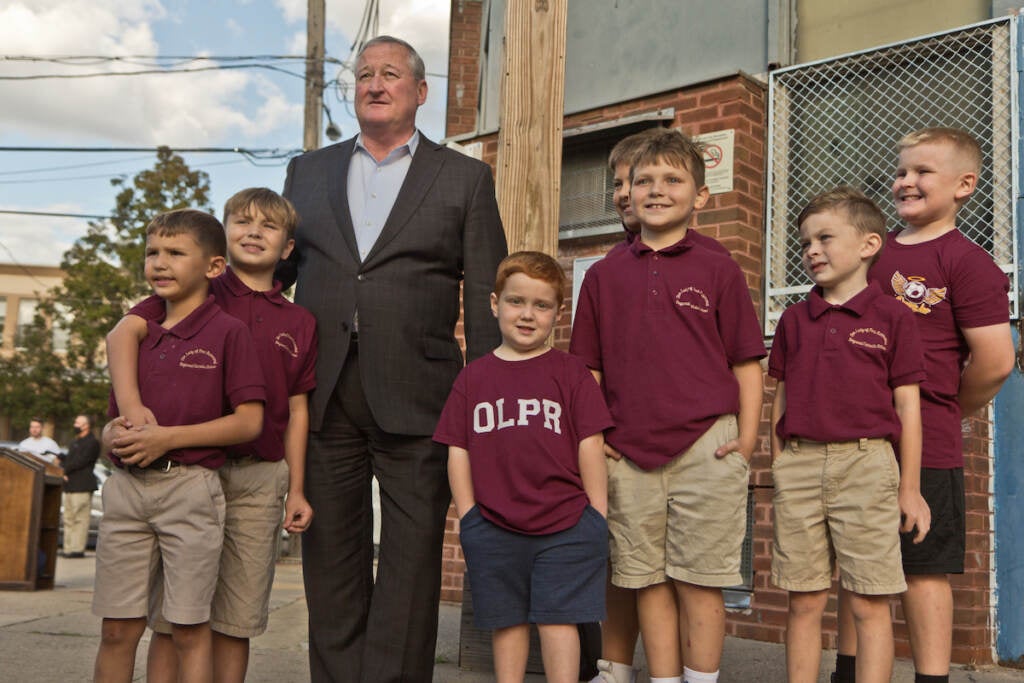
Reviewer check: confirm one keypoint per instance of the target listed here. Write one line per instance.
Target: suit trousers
(77, 507)
(362, 631)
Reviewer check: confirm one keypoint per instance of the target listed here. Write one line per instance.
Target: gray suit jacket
(444, 229)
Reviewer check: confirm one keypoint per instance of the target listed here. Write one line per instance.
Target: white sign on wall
(718, 159)
(579, 269)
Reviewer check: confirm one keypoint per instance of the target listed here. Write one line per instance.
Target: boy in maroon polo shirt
(620, 630)
(848, 364)
(527, 471)
(959, 298)
(168, 517)
(668, 327)
(259, 224)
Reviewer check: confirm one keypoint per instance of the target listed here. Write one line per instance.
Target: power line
(124, 175)
(70, 166)
(273, 153)
(14, 261)
(54, 214)
(117, 58)
(155, 64)
(148, 72)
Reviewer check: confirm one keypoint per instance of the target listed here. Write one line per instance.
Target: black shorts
(942, 550)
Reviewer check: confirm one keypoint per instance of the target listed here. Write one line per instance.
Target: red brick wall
(463, 65)
(737, 219)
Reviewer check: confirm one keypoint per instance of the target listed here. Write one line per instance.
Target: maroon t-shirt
(841, 362)
(522, 423)
(197, 371)
(285, 338)
(664, 328)
(950, 283)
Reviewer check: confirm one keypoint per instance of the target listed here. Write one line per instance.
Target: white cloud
(38, 240)
(180, 109)
(297, 43)
(293, 10)
(233, 27)
(421, 23)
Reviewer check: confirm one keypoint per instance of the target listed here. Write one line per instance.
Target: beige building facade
(826, 28)
(21, 287)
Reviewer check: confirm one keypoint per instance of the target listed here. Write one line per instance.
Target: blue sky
(249, 108)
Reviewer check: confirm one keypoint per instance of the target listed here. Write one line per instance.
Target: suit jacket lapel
(337, 183)
(426, 164)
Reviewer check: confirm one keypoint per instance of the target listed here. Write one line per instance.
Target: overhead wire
(68, 167)
(124, 175)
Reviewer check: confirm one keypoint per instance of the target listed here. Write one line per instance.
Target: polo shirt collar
(410, 145)
(857, 305)
(240, 289)
(638, 247)
(187, 328)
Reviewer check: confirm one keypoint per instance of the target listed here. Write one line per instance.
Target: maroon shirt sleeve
(305, 379)
(737, 321)
(590, 414)
(243, 378)
(585, 341)
(777, 359)
(150, 308)
(451, 427)
(979, 291)
(906, 362)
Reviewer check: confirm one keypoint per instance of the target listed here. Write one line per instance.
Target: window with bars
(837, 122)
(586, 198)
(26, 317)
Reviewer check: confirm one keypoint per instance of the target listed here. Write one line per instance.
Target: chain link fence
(837, 122)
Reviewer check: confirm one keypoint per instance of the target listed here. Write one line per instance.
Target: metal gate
(837, 122)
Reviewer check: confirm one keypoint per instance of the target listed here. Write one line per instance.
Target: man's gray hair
(419, 70)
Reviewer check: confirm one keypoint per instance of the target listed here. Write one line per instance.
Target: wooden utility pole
(314, 74)
(313, 117)
(530, 135)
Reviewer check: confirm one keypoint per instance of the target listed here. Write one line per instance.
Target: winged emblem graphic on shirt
(916, 294)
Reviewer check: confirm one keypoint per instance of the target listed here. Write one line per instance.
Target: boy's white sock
(667, 679)
(617, 672)
(691, 676)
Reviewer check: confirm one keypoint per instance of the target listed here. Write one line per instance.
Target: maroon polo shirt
(664, 328)
(285, 338)
(197, 371)
(522, 423)
(949, 283)
(841, 362)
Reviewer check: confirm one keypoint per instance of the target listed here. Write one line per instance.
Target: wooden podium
(30, 491)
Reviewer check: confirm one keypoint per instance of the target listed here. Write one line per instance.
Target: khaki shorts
(685, 520)
(254, 491)
(157, 521)
(837, 502)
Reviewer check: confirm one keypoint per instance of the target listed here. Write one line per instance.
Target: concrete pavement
(51, 637)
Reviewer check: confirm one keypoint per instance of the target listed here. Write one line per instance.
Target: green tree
(103, 278)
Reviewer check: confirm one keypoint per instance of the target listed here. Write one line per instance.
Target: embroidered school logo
(200, 359)
(918, 296)
(287, 342)
(691, 297)
(869, 338)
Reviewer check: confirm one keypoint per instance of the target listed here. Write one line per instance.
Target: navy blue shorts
(942, 550)
(550, 579)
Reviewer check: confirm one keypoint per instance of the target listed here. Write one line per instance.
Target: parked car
(102, 472)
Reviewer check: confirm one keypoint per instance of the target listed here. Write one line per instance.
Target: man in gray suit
(390, 225)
